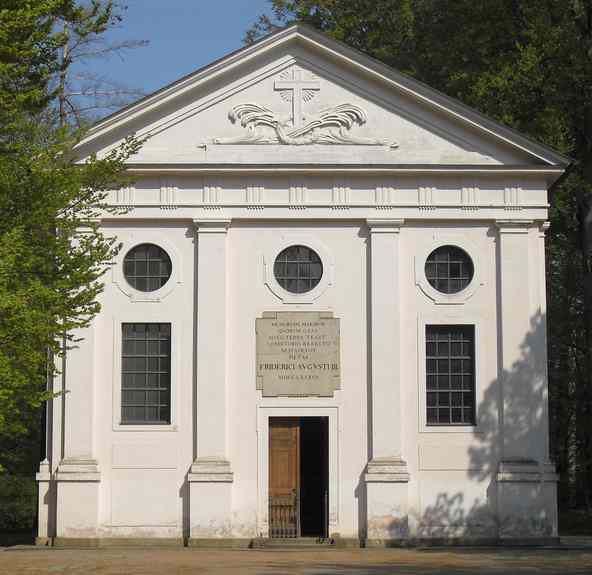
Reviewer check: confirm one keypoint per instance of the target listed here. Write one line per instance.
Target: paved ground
(183, 561)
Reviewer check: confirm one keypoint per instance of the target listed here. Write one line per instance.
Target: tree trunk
(63, 78)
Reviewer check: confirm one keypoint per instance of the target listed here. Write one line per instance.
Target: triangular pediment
(300, 98)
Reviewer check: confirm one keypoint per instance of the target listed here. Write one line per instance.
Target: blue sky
(183, 34)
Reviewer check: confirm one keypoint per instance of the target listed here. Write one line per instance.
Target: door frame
(263, 415)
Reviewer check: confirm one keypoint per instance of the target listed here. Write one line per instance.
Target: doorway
(298, 477)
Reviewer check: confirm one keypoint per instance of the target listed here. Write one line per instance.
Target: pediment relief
(335, 125)
(320, 117)
(330, 126)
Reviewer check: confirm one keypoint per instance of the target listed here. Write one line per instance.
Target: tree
(44, 46)
(52, 252)
(80, 91)
(527, 63)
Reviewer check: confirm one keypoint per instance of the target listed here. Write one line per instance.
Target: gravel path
(185, 561)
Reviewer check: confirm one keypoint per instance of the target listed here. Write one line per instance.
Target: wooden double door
(298, 477)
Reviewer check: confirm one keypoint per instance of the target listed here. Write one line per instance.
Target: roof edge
(415, 88)
(444, 101)
(221, 62)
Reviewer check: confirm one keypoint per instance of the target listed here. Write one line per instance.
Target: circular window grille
(147, 267)
(298, 269)
(449, 269)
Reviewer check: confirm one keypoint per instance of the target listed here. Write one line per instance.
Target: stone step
(291, 543)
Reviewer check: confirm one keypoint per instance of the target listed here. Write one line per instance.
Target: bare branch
(108, 50)
(73, 110)
(85, 42)
(107, 93)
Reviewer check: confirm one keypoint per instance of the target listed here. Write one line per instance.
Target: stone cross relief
(328, 126)
(297, 89)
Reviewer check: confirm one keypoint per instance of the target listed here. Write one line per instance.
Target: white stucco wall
(143, 489)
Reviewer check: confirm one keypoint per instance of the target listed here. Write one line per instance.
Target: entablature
(359, 192)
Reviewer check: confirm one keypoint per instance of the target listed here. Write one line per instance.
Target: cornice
(361, 63)
(187, 82)
(402, 169)
(202, 217)
(433, 98)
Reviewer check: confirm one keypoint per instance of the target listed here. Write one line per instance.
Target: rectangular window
(450, 374)
(146, 373)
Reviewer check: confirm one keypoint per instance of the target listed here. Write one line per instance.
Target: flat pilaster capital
(523, 470)
(44, 473)
(211, 225)
(384, 225)
(514, 226)
(83, 470)
(386, 470)
(210, 470)
(88, 223)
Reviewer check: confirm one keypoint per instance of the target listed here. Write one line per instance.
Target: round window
(147, 267)
(449, 269)
(298, 269)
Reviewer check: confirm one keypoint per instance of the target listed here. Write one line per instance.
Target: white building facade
(327, 318)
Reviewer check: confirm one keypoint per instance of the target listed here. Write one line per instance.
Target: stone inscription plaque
(298, 354)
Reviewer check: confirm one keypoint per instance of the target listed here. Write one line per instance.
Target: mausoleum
(327, 318)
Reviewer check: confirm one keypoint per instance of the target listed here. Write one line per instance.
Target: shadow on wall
(507, 454)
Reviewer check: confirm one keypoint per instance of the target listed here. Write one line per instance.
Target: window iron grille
(450, 374)
(146, 373)
(147, 267)
(298, 269)
(449, 269)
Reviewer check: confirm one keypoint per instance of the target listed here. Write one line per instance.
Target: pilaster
(46, 491)
(78, 475)
(526, 479)
(44, 503)
(210, 478)
(386, 475)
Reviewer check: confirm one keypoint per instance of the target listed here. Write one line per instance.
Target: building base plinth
(220, 543)
(387, 499)
(527, 499)
(78, 483)
(210, 498)
(45, 503)
(109, 542)
(462, 542)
